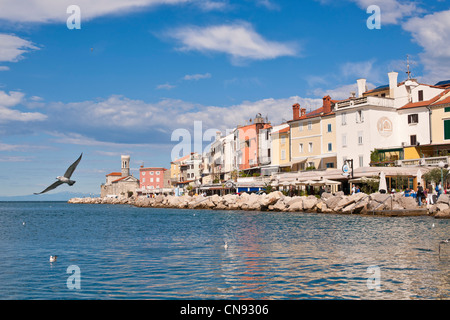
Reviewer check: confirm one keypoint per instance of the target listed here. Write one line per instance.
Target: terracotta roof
(444, 98)
(153, 169)
(114, 174)
(285, 130)
(441, 98)
(118, 179)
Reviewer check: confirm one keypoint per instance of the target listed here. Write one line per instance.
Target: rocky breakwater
(360, 203)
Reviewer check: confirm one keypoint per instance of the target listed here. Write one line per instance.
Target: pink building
(152, 178)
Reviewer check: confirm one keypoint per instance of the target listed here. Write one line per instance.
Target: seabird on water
(65, 178)
(53, 258)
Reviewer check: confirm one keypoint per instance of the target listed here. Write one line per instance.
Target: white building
(388, 116)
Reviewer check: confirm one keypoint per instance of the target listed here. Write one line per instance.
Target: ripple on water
(137, 253)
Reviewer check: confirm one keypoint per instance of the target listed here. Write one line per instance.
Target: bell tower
(125, 166)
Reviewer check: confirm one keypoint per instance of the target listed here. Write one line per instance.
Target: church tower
(125, 166)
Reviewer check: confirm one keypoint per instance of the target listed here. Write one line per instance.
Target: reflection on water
(138, 253)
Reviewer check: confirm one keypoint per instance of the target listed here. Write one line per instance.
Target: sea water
(124, 252)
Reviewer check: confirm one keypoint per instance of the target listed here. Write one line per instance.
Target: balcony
(424, 162)
(363, 101)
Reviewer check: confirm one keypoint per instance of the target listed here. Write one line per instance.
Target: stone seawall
(360, 203)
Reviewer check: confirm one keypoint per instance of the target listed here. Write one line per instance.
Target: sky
(114, 77)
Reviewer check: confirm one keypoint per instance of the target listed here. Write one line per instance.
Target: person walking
(439, 189)
(420, 194)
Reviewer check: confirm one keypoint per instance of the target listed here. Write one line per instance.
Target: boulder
(326, 195)
(279, 206)
(309, 203)
(332, 202)
(442, 206)
(407, 203)
(295, 206)
(443, 214)
(272, 198)
(443, 198)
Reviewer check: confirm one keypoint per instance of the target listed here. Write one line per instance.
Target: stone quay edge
(359, 203)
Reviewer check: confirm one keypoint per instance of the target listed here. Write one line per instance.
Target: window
(447, 109)
(360, 137)
(413, 118)
(329, 127)
(157, 173)
(268, 153)
(267, 135)
(344, 118)
(151, 179)
(283, 140)
(344, 140)
(157, 179)
(359, 116)
(151, 173)
(361, 161)
(447, 129)
(309, 125)
(310, 147)
(413, 139)
(143, 173)
(300, 148)
(143, 179)
(420, 95)
(330, 164)
(283, 154)
(330, 147)
(300, 127)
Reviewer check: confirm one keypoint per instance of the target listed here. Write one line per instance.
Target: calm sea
(123, 252)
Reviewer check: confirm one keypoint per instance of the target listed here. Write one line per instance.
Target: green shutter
(447, 109)
(446, 129)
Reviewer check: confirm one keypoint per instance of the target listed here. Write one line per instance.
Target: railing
(373, 101)
(351, 212)
(382, 203)
(434, 162)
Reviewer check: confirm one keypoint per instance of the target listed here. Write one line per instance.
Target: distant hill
(61, 196)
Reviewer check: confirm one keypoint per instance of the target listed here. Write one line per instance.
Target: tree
(435, 175)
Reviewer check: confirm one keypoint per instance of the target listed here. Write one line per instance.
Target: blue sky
(139, 69)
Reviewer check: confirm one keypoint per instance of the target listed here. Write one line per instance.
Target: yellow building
(440, 118)
(281, 147)
(313, 137)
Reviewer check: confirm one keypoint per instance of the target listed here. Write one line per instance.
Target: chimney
(302, 112)
(392, 83)
(218, 134)
(296, 111)
(361, 87)
(326, 104)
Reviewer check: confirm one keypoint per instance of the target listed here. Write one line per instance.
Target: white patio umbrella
(419, 176)
(382, 185)
(330, 182)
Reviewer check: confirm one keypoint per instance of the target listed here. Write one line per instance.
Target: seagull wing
(51, 187)
(71, 169)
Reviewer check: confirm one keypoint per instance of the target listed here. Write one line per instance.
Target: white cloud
(196, 76)
(45, 11)
(165, 86)
(4, 68)
(118, 119)
(12, 47)
(7, 114)
(431, 33)
(341, 92)
(363, 69)
(239, 40)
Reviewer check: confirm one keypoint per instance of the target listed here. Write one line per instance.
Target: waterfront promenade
(359, 203)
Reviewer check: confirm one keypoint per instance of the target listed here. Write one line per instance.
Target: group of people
(424, 195)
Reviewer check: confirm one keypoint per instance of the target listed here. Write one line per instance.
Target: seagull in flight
(65, 178)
